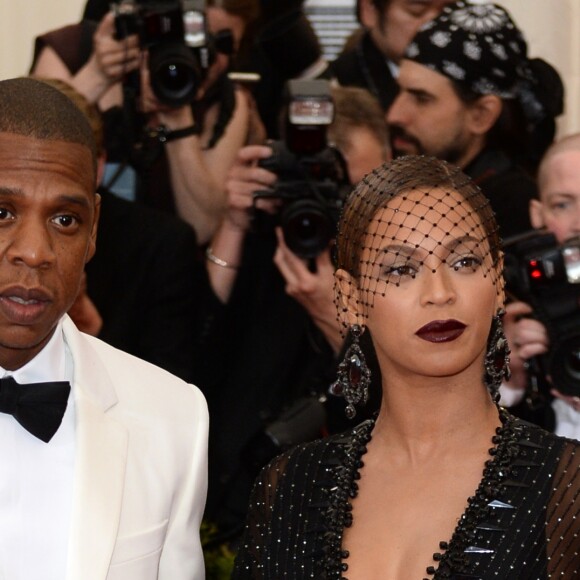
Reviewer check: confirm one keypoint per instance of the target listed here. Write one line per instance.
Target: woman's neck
(433, 416)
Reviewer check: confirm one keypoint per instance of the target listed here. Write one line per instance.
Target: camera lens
(307, 227)
(175, 74)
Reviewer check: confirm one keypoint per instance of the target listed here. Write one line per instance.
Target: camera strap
(163, 135)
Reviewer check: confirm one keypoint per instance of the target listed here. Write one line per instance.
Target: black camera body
(312, 176)
(546, 275)
(175, 35)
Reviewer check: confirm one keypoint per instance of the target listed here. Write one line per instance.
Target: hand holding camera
(546, 275)
(312, 176)
(314, 290)
(180, 49)
(114, 57)
(244, 178)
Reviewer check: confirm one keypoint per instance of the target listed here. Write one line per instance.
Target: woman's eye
(400, 271)
(467, 262)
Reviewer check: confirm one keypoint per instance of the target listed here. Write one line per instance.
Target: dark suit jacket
(365, 66)
(508, 187)
(145, 280)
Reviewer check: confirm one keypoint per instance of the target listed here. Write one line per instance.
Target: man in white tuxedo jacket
(103, 465)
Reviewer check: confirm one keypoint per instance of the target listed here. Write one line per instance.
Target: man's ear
(101, 163)
(537, 214)
(94, 228)
(483, 113)
(368, 14)
(347, 297)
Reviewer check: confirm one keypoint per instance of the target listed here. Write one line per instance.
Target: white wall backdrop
(22, 20)
(551, 26)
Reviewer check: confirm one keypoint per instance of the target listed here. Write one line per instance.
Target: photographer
(275, 334)
(161, 151)
(558, 211)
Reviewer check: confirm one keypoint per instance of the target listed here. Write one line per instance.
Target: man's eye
(561, 206)
(5, 214)
(65, 221)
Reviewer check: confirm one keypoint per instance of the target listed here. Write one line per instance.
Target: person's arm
(198, 175)
(84, 313)
(224, 254)
(254, 548)
(108, 63)
(313, 290)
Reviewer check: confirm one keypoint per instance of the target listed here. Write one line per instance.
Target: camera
(546, 275)
(312, 176)
(174, 32)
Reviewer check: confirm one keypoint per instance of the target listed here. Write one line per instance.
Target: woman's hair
(397, 177)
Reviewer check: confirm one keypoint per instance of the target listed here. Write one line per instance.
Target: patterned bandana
(478, 45)
(409, 218)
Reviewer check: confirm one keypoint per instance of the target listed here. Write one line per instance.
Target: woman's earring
(354, 376)
(497, 358)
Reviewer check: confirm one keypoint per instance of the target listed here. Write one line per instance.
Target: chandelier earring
(497, 358)
(354, 376)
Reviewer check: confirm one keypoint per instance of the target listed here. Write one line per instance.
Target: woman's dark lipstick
(441, 330)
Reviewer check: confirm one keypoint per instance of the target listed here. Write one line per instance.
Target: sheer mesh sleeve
(563, 516)
(249, 561)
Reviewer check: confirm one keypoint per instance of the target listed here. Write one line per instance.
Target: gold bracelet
(218, 261)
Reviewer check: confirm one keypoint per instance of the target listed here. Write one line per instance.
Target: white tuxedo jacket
(141, 468)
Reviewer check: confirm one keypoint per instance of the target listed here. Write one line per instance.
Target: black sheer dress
(522, 523)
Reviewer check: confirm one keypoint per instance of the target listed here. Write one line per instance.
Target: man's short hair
(33, 108)
(356, 107)
(381, 5)
(563, 145)
(89, 110)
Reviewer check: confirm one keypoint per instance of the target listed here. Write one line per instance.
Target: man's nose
(31, 245)
(397, 113)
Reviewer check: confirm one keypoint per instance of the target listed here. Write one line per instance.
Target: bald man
(558, 211)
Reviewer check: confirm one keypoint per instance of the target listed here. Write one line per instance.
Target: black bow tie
(38, 407)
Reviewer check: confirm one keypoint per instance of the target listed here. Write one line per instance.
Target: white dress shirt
(36, 479)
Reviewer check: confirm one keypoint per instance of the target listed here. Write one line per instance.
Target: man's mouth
(21, 305)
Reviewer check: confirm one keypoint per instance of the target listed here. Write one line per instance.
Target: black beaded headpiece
(414, 214)
(478, 45)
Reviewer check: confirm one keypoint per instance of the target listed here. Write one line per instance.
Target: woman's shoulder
(332, 451)
(562, 454)
(540, 435)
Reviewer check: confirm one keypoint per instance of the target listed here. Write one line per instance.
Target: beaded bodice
(521, 523)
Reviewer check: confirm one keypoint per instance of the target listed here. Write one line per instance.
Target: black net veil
(412, 214)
